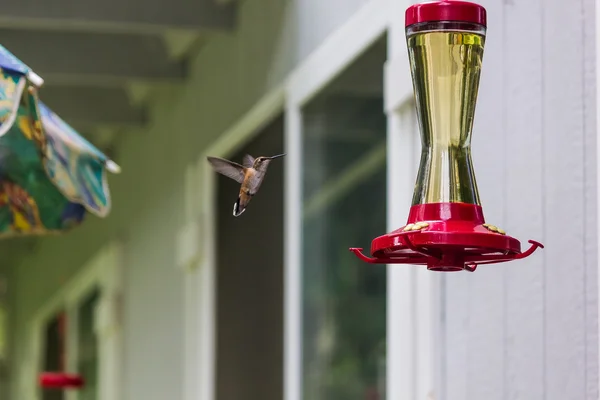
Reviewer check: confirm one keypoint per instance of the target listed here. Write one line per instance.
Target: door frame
(104, 271)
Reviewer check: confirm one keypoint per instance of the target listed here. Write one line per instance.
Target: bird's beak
(277, 156)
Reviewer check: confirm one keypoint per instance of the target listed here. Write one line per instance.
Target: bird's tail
(237, 209)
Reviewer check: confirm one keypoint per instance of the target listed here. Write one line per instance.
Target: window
(344, 204)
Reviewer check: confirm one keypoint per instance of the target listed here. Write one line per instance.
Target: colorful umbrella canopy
(49, 174)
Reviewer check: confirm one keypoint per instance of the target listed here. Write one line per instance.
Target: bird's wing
(248, 161)
(228, 168)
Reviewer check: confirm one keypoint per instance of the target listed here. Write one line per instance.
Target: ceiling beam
(92, 58)
(142, 16)
(85, 107)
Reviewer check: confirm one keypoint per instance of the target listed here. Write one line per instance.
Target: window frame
(200, 290)
(103, 271)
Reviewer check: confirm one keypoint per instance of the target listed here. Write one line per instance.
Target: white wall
(228, 76)
(528, 330)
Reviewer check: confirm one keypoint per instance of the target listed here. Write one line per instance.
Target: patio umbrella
(50, 176)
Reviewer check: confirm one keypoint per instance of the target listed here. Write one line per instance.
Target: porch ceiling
(98, 58)
(139, 16)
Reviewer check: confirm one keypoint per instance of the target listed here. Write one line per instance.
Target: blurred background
(171, 297)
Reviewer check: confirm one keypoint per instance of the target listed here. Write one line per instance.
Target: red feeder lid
(59, 380)
(446, 10)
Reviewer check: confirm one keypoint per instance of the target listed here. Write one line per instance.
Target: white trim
(191, 344)
(598, 164)
(207, 289)
(201, 327)
(109, 325)
(414, 357)
(401, 284)
(413, 351)
(104, 271)
(338, 51)
(292, 379)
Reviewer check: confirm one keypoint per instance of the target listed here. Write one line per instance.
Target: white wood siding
(528, 329)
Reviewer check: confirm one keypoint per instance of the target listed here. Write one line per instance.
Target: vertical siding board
(456, 339)
(590, 222)
(486, 286)
(564, 200)
(524, 198)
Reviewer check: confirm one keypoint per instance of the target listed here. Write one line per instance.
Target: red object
(59, 380)
(454, 239)
(446, 10)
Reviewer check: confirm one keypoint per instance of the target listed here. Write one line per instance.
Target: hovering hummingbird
(250, 175)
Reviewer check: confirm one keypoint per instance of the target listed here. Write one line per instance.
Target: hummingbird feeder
(446, 230)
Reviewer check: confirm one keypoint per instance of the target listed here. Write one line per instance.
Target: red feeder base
(59, 380)
(446, 237)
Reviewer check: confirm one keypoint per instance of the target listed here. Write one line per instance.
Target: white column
(293, 272)
(206, 282)
(109, 333)
(194, 258)
(30, 366)
(597, 3)
(108, 327)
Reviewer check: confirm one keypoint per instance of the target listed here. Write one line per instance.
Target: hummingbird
(250, 175)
